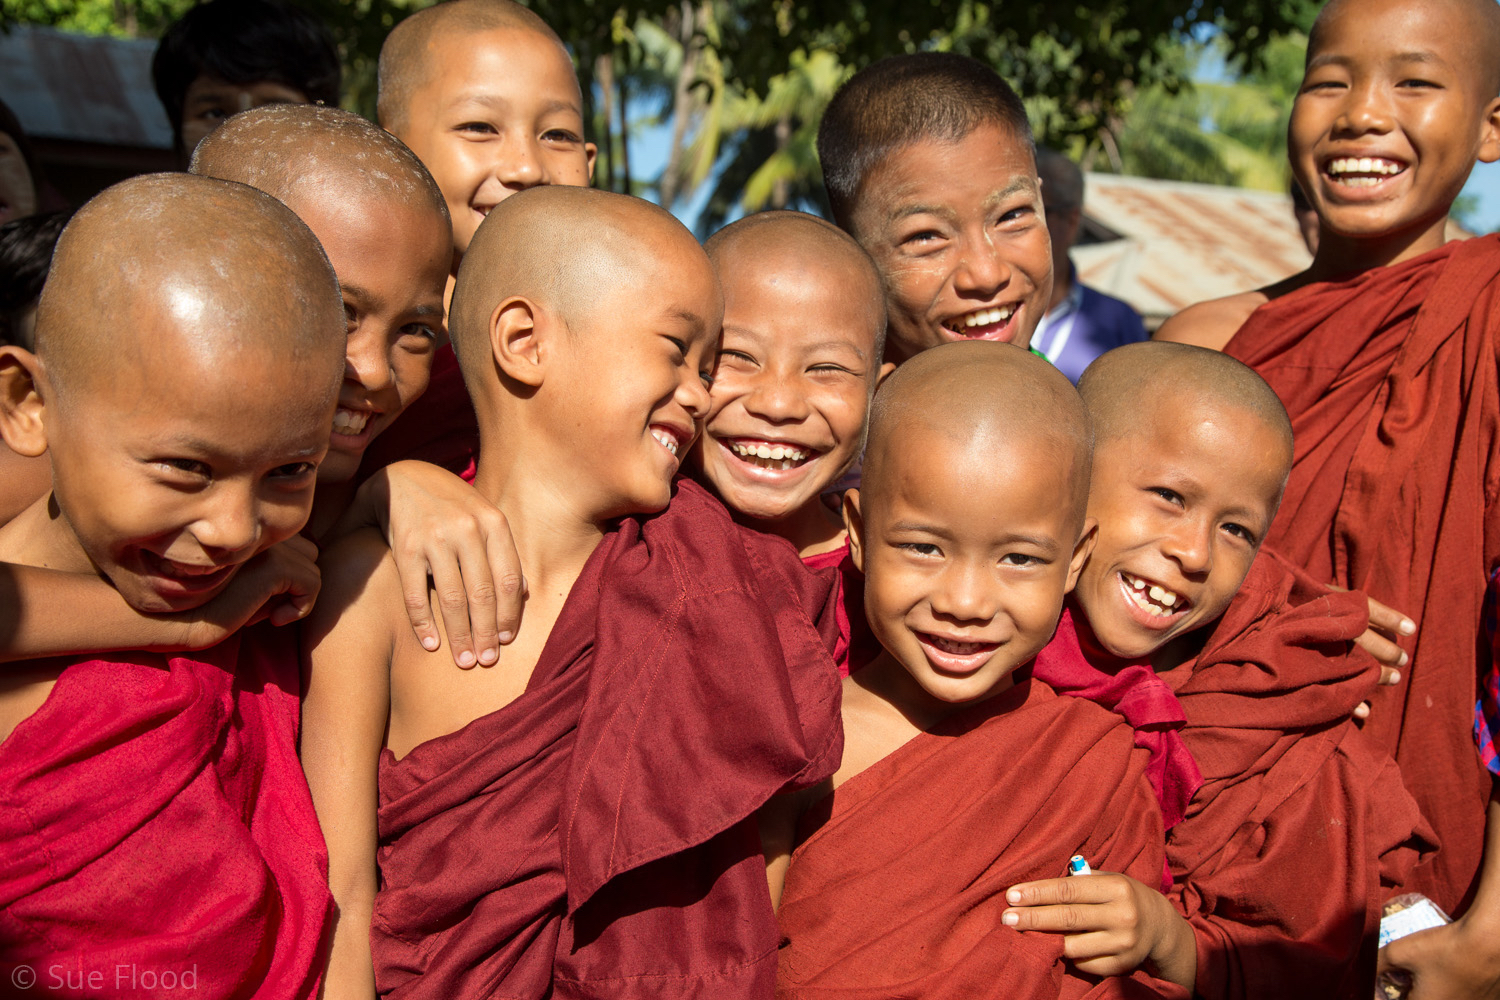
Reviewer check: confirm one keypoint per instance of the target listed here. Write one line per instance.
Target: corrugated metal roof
(1186, 243)
(82, 88)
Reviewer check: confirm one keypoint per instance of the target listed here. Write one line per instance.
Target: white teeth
(778, 456)
(1152, 598)
(983, 317)
(350, 422)
(1367, 170)
(666, 440)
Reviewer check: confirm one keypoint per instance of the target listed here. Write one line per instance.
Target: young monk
(929, 163)
(804, 326)
(578, 818)
(484, 92)
(960, 773)
(1302, 828)
(157, 833)
(1384, 353)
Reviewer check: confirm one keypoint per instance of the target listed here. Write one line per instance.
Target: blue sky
(1485, 182)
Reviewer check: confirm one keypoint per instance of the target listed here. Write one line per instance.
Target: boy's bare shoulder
(1211, 324)
(874, 728)
(359, 579)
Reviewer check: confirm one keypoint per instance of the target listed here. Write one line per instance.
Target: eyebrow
(1016, 185)
(760, 338)
(424, 309)
(1045, 544)
(501, 104)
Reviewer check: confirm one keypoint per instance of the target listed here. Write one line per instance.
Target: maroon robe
(897, 887)
(1390, 380)
(597, 836)
(155, 828)
(1302, 828)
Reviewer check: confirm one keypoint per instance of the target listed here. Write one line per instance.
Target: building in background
(87, 105)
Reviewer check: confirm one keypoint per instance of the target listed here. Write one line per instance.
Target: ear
(884, 373)
(591, 151)
(1489, 143)
(22, 388)
(855, 525)
(1082, 551)
(520, 336)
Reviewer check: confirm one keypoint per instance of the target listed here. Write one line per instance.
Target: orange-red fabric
(438, 427)
(1143, 700)
(1302, 828)
(898, 886)
(1390, 379)
(157, 837)
(597, 836)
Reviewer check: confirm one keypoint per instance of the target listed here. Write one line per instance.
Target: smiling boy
(155, 815)
(960, 772)
(929, 163)
(1302, 829)
(577, 818)
(1384, 353)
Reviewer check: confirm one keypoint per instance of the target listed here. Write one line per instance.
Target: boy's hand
(1111, 924)
(279, 585)
(1379, 640)
(439, 527)
(1453, 962)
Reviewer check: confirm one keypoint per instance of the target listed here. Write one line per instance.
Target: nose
(773, 397)
(1366, 109)
(966, 594)
(367, 359)
(229, 522)
(981, 270)
(518, 166)
(692, 394)
(1190, 546)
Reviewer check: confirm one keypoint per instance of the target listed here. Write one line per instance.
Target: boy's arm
(778, 832)
(46, 612)
(439, 526)
(346, 655)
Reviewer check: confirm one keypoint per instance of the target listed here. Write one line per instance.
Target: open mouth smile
(769, 456)
(989, 323)
(1152, 604)
(1362, 171)
(955, 656)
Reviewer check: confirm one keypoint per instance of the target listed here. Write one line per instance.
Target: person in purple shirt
(1080, 323)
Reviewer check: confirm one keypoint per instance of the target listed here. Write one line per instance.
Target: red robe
(898, 886)
(1390, 379)
(597, 836)
(438, 427)
(156, 830)
(1144, 701)
(857, 645)
(1302, 828)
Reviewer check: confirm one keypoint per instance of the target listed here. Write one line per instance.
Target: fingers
(478, 610)
(453, 605)
(1362, 711)
(1099, 887)
(411, 568)
(510, 583)
(1384, 650)
(1389, 621)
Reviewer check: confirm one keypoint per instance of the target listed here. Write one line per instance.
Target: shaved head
(286, 149)
(1477, 31)
(567, 250)
(1181, 378)
(405, 58)
(219, 269)
(986, 397)
(805, 242)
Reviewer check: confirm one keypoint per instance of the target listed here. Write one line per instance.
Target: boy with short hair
(1384, 352)
(1302, 828)
(156, 819)
(961, 771)
(577, 818)
(227, 56)
(800, 357)
(929, 163)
